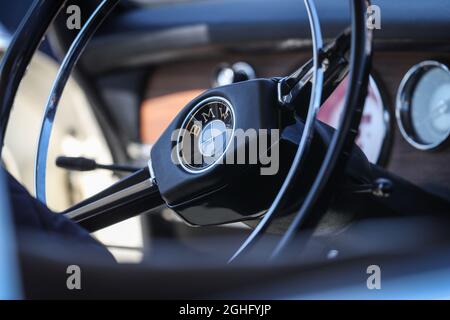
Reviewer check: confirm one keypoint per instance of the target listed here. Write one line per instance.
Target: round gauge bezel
(404, 105)
(197, 107)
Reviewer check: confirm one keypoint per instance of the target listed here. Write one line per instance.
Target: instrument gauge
(374, 132)
(423, 105)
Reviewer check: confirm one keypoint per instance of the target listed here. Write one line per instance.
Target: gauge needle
(439, 111)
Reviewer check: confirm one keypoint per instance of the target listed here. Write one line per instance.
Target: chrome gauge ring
(423, 105)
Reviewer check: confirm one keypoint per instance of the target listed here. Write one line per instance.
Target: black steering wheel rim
(340, 148)
(44, 12)
(343, 140)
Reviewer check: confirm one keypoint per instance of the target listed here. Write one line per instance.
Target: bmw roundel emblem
(205, 134)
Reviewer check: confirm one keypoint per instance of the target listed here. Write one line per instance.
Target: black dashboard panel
(269, 19)
(149, 35)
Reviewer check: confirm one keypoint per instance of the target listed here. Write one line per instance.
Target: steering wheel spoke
(334, 60)
(129, 197)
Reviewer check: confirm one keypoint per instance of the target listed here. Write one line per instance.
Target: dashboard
(179, 50)
(382, 134)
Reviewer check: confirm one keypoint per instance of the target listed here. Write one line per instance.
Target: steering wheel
(193, 167)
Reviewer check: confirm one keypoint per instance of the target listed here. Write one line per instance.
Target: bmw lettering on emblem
(205, 134)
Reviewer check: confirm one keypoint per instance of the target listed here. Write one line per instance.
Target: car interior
(225, 149)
